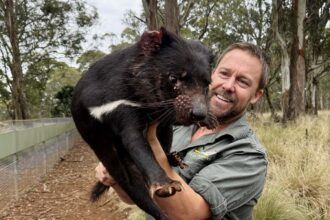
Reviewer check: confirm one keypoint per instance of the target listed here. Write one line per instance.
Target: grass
(298, 185)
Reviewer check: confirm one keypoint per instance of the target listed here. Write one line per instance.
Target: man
(227, 165)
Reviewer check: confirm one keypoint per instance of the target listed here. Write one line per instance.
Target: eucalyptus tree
(317, 51)
(35, 30)
(301, 35)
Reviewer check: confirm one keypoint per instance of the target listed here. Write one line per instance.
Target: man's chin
(228, 117)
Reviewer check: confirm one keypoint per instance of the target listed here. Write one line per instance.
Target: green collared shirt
(228, 169)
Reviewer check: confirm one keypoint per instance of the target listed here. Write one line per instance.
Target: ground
(64, 194)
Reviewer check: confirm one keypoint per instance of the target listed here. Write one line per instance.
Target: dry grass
(298, 185)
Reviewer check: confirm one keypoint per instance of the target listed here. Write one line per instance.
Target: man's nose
(229, 83)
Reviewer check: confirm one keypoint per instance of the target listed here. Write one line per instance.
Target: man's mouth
(223, 98)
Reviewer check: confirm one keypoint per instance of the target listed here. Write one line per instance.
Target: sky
(111, 14)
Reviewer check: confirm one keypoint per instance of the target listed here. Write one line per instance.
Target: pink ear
(151, 41)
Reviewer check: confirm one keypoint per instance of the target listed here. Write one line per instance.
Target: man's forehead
(240, 59)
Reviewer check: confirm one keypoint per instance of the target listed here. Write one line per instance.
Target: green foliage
(42, 30)
(88, 58)
(45, 79)
(63, 99)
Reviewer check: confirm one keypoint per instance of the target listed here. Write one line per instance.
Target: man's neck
(201, 131)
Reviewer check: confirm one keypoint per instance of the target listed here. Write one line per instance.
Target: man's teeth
(223, 98)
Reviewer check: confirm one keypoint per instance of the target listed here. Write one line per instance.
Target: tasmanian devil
(161, 78)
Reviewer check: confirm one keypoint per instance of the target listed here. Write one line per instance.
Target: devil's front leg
(131, 128)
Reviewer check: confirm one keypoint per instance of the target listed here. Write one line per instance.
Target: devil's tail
(98, 189)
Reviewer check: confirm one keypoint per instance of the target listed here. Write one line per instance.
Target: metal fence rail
(28, 150)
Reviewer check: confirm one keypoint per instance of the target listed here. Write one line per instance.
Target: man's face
(235, 85)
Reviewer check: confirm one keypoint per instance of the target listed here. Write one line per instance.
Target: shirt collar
(236, 130)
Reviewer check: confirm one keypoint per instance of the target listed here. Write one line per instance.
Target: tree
(88, 58)
(151, 13)
(297, 64)
(34, 30)
(172, 17)
(317, 47)
(278, 12)
(63, 99)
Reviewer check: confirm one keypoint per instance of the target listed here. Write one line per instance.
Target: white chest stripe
(98, 111)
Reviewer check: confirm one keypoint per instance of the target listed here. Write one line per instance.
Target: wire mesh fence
(24, 168)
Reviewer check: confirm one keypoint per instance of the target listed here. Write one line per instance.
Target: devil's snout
(198, 113)
(190, 109)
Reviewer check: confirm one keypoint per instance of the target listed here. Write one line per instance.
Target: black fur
(169, 77)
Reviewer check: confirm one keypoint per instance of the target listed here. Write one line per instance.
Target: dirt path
(64, 194)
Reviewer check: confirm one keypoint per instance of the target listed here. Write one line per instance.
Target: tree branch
(186, 13)
(140, 19)
(207, 15)
(322, 74)
(314, 67)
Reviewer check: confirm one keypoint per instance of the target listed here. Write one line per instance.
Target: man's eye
(243, 83)
(223, 73)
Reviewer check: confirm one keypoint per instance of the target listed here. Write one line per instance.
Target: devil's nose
(198, 114)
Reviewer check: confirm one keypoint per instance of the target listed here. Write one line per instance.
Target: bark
(317, 18)
(150, 8)
(314, 97)
(297, 65)
(270, 104)
(172, 16)
(19, 99)
(285, 59)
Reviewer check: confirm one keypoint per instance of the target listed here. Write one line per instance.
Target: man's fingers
(103, 175)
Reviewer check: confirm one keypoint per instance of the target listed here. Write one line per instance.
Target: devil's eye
(172, 79)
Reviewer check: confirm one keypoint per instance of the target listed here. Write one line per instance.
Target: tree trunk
(270, 104)
(150, 8)
(172, 16)
(297, 65)
(316, 22)
(19, 99)
(315, 97)
(310, 91)
(285, 59)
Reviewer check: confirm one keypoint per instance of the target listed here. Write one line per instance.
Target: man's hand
(103, 176)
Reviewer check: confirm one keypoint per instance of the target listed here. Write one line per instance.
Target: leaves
(39, 31)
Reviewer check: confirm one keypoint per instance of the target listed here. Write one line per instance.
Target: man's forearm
(186, 204)
(122, 194)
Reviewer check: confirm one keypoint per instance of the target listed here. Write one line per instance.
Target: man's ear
(151, 41)
(257, 96)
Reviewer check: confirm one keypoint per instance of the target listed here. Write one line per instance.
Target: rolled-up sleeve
(228, 183)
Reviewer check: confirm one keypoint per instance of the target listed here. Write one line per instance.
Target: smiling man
(227, 165)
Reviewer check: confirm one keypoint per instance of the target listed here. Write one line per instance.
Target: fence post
(15, 176)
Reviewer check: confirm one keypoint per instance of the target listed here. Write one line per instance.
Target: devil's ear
(152, 41)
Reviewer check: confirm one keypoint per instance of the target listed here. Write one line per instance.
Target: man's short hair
(255, 51)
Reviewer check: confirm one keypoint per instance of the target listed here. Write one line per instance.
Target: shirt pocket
(196, 159)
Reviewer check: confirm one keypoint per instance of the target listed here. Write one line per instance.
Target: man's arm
(186, 204)
(104, 177)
